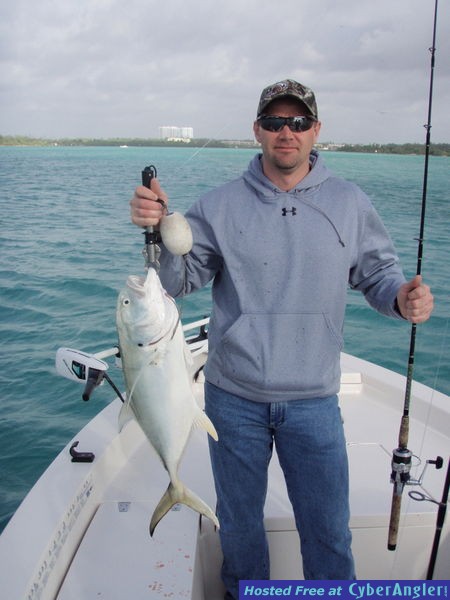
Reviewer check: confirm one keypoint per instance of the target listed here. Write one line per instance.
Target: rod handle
(403, 434)
(394, 520)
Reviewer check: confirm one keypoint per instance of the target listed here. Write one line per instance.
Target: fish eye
(125, 302)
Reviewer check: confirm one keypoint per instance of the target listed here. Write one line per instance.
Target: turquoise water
(67, 247)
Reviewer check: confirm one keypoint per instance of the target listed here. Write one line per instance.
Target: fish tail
(180, 494)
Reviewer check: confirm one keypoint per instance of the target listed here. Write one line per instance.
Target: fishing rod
(402, 456)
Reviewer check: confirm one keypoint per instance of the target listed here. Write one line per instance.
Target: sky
(122, 68)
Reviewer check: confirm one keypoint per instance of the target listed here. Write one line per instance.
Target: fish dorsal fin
(202, 420)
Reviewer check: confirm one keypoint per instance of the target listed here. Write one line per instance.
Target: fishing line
(182, 166)
(436, 378)
(201, 148)
(441, 354)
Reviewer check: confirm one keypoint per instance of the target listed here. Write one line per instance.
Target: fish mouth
(136, 284)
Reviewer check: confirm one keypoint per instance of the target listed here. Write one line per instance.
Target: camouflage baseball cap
(288, 87)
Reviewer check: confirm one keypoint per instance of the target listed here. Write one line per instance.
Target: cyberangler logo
(363, 590)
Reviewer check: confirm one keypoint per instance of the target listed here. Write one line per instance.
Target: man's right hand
(146, 211)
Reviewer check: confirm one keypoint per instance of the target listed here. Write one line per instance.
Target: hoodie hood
(304, 190)
(267, 190)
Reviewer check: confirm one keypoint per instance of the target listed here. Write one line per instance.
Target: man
(281, 244)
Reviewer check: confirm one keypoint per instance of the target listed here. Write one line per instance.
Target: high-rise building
(175, 132)
(187, 132)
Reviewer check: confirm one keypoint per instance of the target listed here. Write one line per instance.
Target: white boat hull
(82, 531)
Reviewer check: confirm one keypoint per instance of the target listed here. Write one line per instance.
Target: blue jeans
(310, 444)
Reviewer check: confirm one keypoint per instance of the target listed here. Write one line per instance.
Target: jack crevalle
(156, 367)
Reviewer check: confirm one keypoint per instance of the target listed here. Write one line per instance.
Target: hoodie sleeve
(377, 272)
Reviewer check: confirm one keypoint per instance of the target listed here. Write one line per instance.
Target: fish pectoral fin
(202, 420)
(180, 495)
(126, 414)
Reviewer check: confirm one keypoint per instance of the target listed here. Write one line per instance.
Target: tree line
(17, 140)
(435, 149)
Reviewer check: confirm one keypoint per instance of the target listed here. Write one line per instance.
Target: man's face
(286, 152)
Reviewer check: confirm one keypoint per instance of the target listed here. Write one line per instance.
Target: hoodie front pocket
(282, 352)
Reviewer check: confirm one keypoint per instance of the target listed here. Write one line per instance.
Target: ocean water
(67, 246)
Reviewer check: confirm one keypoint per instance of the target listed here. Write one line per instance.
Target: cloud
(106, 68)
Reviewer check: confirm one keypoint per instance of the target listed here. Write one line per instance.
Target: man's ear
(317, 127)
(256, 128)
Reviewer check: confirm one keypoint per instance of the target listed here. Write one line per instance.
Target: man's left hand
(415, 300)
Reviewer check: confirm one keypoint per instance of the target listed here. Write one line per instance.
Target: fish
(157, 367)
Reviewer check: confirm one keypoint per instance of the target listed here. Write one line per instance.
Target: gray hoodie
(281, 263)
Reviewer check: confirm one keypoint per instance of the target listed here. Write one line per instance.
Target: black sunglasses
(296, 124)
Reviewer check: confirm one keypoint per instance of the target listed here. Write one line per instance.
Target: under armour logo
(285, 211)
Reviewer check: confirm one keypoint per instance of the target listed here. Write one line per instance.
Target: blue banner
(345, 590)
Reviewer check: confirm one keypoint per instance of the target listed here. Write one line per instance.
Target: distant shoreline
(407, 148)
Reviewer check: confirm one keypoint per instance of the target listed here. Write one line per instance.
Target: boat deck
(101, 548)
